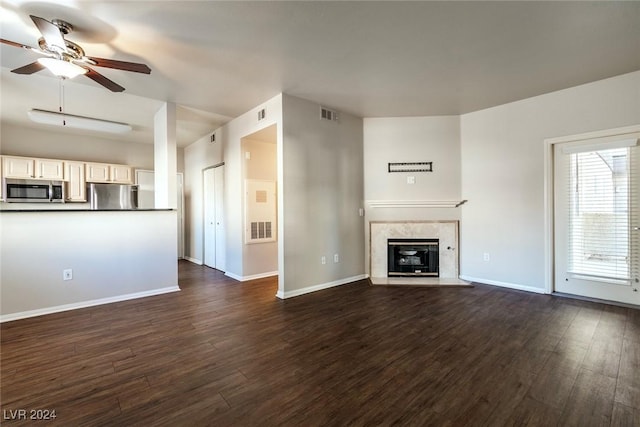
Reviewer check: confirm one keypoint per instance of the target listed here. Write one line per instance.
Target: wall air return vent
(326, 114)
(262, 114)
(213, 137)
(261, 230)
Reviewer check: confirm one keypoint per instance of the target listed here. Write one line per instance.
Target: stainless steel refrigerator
(112, 196)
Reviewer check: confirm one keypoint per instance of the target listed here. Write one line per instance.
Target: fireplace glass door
(413, 257)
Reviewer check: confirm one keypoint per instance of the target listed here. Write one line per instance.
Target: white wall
(227, 148)
(320, 193)
(113, 255)
(503, 173)
(197, 156)
(411, 139)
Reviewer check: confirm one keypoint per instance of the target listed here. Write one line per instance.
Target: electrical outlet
(486, 256)
(67, 274)
(336, 258)
(411, 180)
(323, 260)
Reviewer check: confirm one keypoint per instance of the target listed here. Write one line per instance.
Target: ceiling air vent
(326, 114)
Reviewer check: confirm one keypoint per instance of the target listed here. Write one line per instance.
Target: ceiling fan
(66, 59)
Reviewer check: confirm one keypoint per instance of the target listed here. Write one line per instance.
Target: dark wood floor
(226, 353)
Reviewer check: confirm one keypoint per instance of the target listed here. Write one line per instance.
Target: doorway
(214, 221)
(596, 199)
(259, 204)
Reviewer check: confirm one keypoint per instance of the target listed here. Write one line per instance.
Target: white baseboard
(314, 288)
(504, 284)
(84, 304)
(193, 260)
(252, 276)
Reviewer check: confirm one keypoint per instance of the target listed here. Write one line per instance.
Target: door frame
(549, 181)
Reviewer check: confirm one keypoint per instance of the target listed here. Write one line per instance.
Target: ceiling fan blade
(100, 79)
(34, 67)
(14, 44)
(50, 32)
(120, 65)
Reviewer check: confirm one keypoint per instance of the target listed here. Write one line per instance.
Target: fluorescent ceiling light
(79, 122)
(62, 68)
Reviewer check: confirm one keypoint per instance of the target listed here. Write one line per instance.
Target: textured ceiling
(217, 60)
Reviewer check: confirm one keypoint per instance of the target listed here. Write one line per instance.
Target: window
(599, 210)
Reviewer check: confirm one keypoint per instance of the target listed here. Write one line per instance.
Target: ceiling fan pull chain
(61, 108)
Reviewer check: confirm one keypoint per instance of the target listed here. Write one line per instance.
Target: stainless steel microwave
(33, 191)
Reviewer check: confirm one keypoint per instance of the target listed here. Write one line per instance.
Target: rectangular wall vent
(213, 137)
(262, 114)
(326, 114)
(261, 230)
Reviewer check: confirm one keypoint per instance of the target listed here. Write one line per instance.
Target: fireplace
(413, 257)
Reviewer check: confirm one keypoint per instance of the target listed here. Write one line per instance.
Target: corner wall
(320, 194)
(503, 174)
(410, 139)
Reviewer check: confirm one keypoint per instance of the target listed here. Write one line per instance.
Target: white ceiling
(217, 60)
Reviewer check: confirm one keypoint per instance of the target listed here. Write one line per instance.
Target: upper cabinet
(28, 168)
(49, 169)
(102, 172)
(97, 172)
(121, 173)
(74, 175)
(17, 167)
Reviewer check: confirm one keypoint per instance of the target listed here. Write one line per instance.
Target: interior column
(165, 153)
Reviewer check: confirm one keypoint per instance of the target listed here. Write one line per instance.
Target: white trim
(314, 288)
(504, 284)
(548, 191)
(252, 276)
(193, 260)
(600, 144)
(233, 276)
(415, 203)
(84, 304)
(595, 134)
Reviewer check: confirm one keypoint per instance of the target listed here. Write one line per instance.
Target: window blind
(603, 212)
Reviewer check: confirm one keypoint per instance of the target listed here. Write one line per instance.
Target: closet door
(214, 225)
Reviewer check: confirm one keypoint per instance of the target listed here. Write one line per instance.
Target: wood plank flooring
(225, 353)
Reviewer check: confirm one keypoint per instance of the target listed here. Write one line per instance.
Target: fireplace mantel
(415, 203)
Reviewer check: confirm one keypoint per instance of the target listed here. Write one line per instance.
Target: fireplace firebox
(413, 257)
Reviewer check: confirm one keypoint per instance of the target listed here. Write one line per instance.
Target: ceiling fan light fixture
(62, 68)
(78, 122)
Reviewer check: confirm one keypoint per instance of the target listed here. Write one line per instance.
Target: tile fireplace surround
(445, 231)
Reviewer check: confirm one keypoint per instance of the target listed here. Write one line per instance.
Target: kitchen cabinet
(17, 167)
(103, 172)
(76, 183)
(97, 172)
(49, 169)
(121, 174)
(29, 168)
